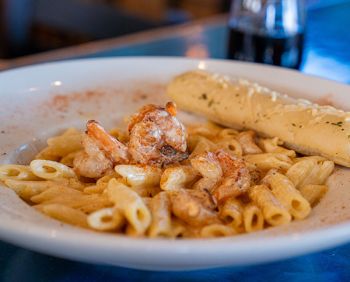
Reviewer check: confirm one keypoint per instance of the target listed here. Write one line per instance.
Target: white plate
(39, 101)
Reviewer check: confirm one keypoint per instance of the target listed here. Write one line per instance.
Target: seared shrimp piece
(101, 152)
(114, 150)
(226, 175)
(91, 162)
(236, 177)
(204, 197)
(157, 136)
(190, 209)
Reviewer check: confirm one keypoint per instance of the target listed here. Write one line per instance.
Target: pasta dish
(160, 178)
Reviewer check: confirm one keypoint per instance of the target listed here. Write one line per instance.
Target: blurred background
(197, 28)
(33, 26)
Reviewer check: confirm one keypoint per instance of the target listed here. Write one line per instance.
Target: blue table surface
(326, 50)
(327, 54)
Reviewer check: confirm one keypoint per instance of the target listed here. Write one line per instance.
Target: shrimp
(91, 162)
(236, 178)
(190, 209)
(157, 136)
(231, 177)
(114, 149)
(101, 152)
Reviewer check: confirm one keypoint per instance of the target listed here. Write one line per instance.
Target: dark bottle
(270, 32)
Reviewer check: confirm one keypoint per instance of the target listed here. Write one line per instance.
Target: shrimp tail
(170, 107)
(113, 148)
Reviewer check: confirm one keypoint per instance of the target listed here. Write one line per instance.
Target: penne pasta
(253, 218)
(68, 159)
(16, 172)
(313, 193)
(51, 170)
(217, 230)
(325, 170)
(267, 161)
(134, 175)
(131, 206)
(61, 146)
(71, 198)
(228, 133)
(53, 192)
(178, 228)
(106, 219)
(178, 177)
(161, 217)
(319, 173)
(143, 191)
(230, 145)
(101, 184)
(273, 211)
(105, 179)
(27, 189)
(48, 153)
(202, 145)
(192, 141)
(272, 146)
(298, 172)
(310, 171)
(209, 130)
(71, 183)
(232, 213)
(66, 143)
(63, 213)
(285, 191)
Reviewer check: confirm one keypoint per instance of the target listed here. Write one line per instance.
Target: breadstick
(303, 126)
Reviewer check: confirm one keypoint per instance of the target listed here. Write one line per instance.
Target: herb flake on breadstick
(305, 127)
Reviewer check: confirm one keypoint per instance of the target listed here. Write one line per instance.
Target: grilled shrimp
(229, 175)
(101, 152)
(91, 162)
(236, 177)
(157, 136)
(116, 151)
